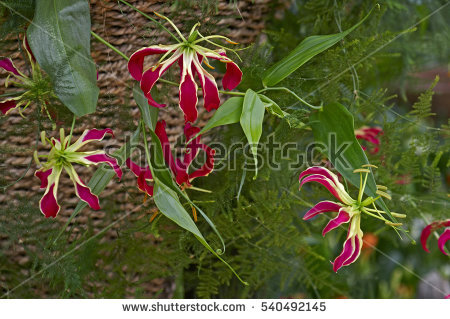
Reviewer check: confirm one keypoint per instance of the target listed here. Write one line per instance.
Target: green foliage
(61, 46)
(267, 242)
(14, 16)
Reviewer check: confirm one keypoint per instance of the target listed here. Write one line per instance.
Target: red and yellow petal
(136, 62)
(43, 176)
(207, 167)
(8, 105)
(210, 91)
(347, 252)
(82, 191)
(342, 218)
(49, 204)
(8, 65)
(89, 136)
(103, 158)
(160, 131)
(188, 90)
(322, 207)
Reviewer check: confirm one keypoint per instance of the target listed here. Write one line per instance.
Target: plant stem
(109, 45)
(293, 94)
(150, 18)
(232, 93)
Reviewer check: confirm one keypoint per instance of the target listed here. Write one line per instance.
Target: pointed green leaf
(168, 203)
(251, 121)
(305, 51)
(228, 113)
(60, 40)
(149, 113)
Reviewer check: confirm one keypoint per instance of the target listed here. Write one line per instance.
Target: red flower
(348, 210)
(189, 56)
(61, 156)
(179, 167)
(369, 134)
(443, 238)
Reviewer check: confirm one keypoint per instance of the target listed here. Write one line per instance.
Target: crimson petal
(143, 186)
(208, 167)
(426, 232)
(85, 194)
(8, 66)
(209, 88)
(356, 252)
(443, 239)
(137, 170)
(103, 158)
(346, 253)
(320, 171)
(43, 176)
(136, 62)
(95, 134)
(322, 207)
(188, 97)
(160, 131)
(7, 105)
(324, 181)
(149, 79)
(342, 217)
(48, 203)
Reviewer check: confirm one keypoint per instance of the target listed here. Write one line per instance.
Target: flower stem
(293, 94)
(109, 45)
(150, 18)
(232, 93)
(362, 187)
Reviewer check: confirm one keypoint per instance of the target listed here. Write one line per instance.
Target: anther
(398, 215)
(361, 170)
(392, 224)
(43, 139)
(231, 42)
(383, 194)
(36, 158)
(369, 165)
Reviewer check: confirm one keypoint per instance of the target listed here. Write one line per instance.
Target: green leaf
(60, 40)
(305, 51)
(251, 121)
(168, 203)
(333, 127)
(15, 16)
(228, 113)
(149, 113)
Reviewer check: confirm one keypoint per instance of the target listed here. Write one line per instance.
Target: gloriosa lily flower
(179, 167)
(443, 238)
(190, 56)
(369, 134)
(62, 155)
(37, 87)
(349, 210)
